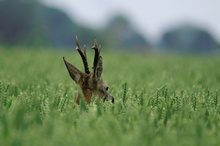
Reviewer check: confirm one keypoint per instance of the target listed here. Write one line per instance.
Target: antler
(97, 53)
(83, 56)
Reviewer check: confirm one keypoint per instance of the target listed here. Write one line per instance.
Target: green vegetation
(159, 100)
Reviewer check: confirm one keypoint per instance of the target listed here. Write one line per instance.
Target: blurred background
(144, 25)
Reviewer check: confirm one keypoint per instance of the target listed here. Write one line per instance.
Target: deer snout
(110, 98)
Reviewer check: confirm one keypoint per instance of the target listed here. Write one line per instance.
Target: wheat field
(159, 100)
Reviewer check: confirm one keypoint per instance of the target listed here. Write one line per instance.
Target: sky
(150, 17)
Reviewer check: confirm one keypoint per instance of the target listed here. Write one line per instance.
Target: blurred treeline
(30, 23)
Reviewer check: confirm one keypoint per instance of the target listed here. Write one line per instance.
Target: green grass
(159, 100)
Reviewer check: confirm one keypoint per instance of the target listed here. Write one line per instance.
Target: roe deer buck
(91, 84)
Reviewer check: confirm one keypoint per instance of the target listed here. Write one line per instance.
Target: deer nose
(109, 98)
(113, 100)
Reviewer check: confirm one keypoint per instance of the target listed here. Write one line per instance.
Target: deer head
(90, 83)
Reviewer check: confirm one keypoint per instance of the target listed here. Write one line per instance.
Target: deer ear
(98, 69)
(74, 73)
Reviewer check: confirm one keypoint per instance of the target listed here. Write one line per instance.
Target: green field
(160, 100)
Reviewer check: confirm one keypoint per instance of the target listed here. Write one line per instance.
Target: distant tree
(28, 22)
(16, 17)
(120, 33)
(188, 38)
(52, 27)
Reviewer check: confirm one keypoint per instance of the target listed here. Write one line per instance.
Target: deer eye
(106, 88)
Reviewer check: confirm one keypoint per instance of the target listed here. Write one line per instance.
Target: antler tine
(83, 56)
(97, 53)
